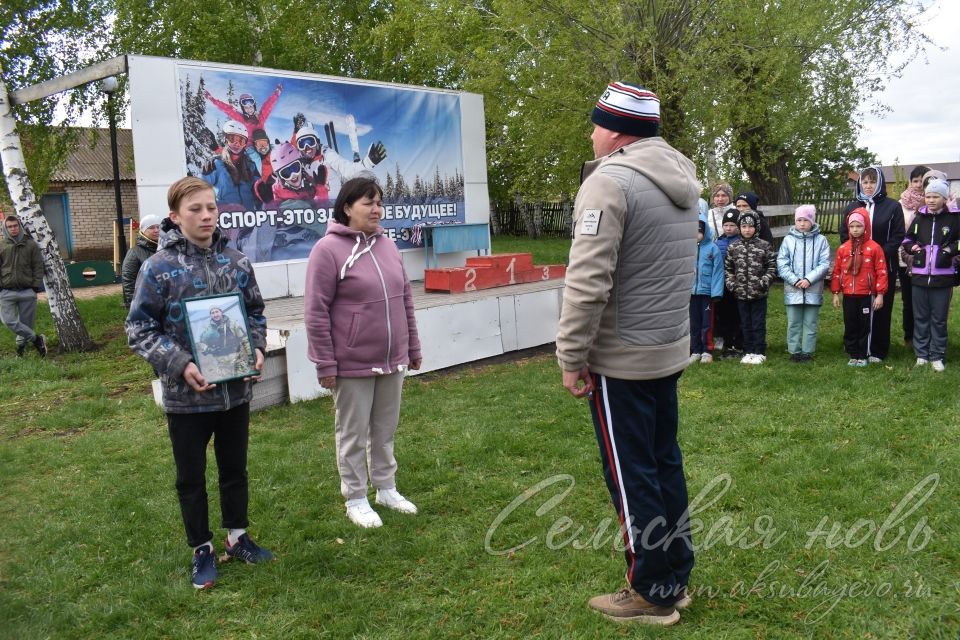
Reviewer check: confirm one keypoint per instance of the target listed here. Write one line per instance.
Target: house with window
(79, 202)
(901, 173)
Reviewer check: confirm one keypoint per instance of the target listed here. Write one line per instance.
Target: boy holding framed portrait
(197, 317)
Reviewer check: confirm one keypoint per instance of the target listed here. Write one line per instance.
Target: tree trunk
(770, 178)
(63, 307)
(772, 182)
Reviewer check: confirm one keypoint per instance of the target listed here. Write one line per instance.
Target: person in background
(194, 260)
(751, 266)
(934, 173)
(860, 274)
(885, 223)
(910, 200)
(931, 241)
(721, 199)
(803, 262)
(146, 246)
(362, 336)
(729, 335)
(707, 288)
(21, 278)
(749, 201)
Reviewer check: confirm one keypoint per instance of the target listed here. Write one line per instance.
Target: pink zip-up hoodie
(358, 305)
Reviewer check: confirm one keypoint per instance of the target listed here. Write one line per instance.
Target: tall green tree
(785, 81)
(769, 90)
(540, 65)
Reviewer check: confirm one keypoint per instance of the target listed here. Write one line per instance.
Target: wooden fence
(533, 219)
(830, 208)
(536, 219)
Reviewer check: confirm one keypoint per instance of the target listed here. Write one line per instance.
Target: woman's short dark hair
(351, 191)
(918, 172)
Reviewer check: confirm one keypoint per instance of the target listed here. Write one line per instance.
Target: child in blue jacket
(802, 263)
(707, 286)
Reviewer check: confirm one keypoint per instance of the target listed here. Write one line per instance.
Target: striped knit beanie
(628, 109)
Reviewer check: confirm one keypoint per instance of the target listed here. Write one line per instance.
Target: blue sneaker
(247, 550)
(204, 568)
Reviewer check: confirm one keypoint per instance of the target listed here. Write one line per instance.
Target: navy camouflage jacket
(750, 266)
(156, 324)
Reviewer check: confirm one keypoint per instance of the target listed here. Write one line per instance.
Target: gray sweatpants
(931, 308)
(18, 309)
(368, 410)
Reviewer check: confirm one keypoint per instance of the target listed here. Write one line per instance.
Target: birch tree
(63, 307)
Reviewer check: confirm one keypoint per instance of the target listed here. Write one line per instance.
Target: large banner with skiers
(277, 148)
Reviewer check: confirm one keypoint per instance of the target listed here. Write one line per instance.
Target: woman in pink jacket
(362, 335)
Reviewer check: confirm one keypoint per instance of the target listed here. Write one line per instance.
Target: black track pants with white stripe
(636, 425)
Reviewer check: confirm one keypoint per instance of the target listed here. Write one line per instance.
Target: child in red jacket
(860, 272)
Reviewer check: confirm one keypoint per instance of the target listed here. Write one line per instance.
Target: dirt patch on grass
(86, 293)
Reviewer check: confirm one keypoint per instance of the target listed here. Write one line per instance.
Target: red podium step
(487, 272)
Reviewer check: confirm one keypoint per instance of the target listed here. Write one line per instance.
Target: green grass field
(91, 543)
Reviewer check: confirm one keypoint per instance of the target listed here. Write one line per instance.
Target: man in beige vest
(623, 340)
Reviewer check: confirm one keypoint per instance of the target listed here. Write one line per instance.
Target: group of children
(735, 271)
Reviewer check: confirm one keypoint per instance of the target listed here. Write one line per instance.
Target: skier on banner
(248, 105)
(233, 174)
(290, 178)
(320, 159)
(290, 186)
(259, 152)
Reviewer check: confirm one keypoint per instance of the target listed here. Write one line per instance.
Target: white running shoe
(362, 514)
(748, 359)
(695, 357)
(706, 358)
(392, 499)
(874, 360)
(922, 362)
(759, 358)
(937, 365)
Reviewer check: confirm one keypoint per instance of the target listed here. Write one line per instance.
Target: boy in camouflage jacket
(750, 267)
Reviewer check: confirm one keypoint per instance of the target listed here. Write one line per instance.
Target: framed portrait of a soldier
(220, 337)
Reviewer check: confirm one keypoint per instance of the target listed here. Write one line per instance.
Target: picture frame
(220, 337)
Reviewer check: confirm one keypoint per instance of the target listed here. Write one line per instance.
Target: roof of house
(91, 161)
(952, 169)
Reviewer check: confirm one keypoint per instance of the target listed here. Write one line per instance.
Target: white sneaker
(362, 514)
(874, 360)
(748, 359)
(937, 365)
(706, 358)
(759, 358)
(392, 499)
(695, 357)
(922, 362)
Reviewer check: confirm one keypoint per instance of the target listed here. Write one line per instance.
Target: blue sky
(409, 122)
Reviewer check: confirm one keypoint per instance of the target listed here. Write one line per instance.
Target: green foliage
(40, 41)
(93, 541)
(315, 37)
(767, 90)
